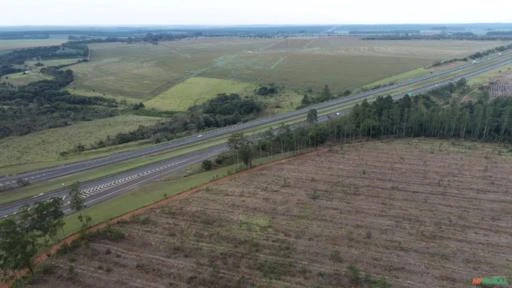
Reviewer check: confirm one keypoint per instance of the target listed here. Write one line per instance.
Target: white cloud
(228, 12)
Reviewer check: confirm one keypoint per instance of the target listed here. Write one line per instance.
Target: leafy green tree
(44, 219)
(326, 94)
(17, 247)
(246, 153)
(242, 147)
(77, 204)
(207, 165)
(235, 141)
(312, 116)
(21, 237)
(76, 199)
(305, 100)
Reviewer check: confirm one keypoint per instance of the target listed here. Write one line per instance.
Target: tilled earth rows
(423, 213)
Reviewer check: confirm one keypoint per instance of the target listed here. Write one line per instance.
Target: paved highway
(489, 63)
(100, 190)
(108, 187)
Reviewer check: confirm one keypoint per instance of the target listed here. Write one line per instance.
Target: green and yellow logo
(497, 281)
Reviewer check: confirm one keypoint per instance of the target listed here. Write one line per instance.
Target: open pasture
(195, 91)
(6, 45)
(416, 212)
(144, 71)
(46, 146)
(32, 71)
(52, 62)
(24, 78)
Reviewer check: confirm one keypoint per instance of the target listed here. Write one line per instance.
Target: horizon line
(249, 25)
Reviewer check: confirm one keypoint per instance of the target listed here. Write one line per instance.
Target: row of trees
(19, 56)
(419, 116)
(221, 111)
(325, 95)
(44, 104)
(490, 36)
(476, 55)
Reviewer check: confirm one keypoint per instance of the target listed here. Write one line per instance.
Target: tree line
(469, 36)
(221, 111)
(43, 105)
(420, 116)
(325, 95)
(476, 55)
(19, 56)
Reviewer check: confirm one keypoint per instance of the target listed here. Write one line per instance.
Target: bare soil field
(421, 213)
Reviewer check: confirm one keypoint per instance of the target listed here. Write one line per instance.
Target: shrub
(67, 248)
(354, 275)
(108, 233)
(207, 165)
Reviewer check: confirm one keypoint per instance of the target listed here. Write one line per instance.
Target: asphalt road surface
(50, 173)
(100, 190)
(106, 188)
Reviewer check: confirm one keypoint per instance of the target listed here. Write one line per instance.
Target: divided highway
(99, 190)
(106, 188)
(490, 63)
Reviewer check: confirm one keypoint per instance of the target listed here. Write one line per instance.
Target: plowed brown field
(421, 213)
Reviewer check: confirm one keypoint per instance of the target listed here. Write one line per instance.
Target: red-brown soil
(421, 213)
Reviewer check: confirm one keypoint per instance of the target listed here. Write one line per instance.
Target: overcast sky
(234, 12)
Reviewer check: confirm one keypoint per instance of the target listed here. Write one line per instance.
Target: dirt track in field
(421, 213)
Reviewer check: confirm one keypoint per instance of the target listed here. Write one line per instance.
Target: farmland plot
(6, 45)
(144, 71)
(45, 146)
(421, 213)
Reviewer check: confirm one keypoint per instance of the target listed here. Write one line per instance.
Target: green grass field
(144, 71)
(32, 72)
(45, 146)
(53, 62)
(18, 44)
(22, 78)
(197, 90)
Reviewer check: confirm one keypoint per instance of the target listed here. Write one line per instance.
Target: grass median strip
(45, 187)
(154, 192)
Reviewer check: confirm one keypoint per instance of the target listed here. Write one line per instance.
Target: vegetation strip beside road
(110, 170)
(152, 196)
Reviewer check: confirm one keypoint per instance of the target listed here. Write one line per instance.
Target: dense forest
(420, 116)
(9, 60)
(42, 105)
